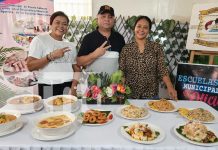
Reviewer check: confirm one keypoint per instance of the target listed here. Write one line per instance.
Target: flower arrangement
(107, 89)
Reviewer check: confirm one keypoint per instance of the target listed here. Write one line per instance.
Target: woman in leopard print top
(142, 62)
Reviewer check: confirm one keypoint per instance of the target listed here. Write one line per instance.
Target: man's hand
(100, 51)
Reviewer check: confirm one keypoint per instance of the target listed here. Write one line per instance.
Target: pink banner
(21, 20)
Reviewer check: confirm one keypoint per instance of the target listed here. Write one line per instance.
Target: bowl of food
(55, 123)
(61, 103)
(25, 102)
(8, 119)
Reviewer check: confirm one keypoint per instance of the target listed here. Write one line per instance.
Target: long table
(108, 137)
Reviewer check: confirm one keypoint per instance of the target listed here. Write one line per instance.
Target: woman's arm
(76, 76)
(36, 64)
(171, 91)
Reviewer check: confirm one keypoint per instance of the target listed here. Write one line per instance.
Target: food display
(4, 118)
(67, 103)
(134, 112)
(58, 101)
(26, 103)
(142, 132)
(198, 114)
(9, 119)
(97, 117)
(54, 122)
(161, 105)
(197, 132)
(24, 100)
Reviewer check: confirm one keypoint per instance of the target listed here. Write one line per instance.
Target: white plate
(26, 111)
(97, 124)
(36, 134)
(118, 112)
(79, 104)
(193, 142)
(213, 121)
(23, 112)
(156, 128)
(13, 129)
(174, 104)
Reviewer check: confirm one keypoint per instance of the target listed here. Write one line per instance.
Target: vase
(90, 101)
(119, 101)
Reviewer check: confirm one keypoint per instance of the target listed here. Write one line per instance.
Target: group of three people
(142, 61)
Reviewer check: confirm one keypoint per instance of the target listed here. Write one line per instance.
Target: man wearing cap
(103, 39)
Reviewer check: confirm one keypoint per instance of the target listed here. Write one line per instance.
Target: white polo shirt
(58, 71)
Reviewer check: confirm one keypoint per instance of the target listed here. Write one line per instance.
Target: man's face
(105, 21)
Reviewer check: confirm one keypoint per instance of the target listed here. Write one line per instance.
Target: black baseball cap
(106, 9)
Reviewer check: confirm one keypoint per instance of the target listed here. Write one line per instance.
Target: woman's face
(141, 29)
(59, 26)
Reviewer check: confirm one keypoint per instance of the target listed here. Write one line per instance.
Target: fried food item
(95, 117)
(198, 114)
(161, 105)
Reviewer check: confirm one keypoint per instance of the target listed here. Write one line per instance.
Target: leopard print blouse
(143, 71)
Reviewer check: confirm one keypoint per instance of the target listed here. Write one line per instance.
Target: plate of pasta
(94, 117)
(196, 133)
(132, 112)
(142, 132)
(198, 114)
(162, 105)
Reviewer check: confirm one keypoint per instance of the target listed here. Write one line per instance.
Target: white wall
(159, 9)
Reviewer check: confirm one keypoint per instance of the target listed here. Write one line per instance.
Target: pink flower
(113, 87)
(95, 89)
(95, 95)
(87, 93)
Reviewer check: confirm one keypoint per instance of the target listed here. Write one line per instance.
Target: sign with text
(21, 20)
(203, 29)
(198, 82)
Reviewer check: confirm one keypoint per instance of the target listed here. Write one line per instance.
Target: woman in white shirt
(55, 59)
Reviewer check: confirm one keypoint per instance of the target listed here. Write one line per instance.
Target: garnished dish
(132, 112)
(197, 114)
(8, 121)
(162, 105)
(4, 118)
(97, 117)
(54, 122)
(67, 103)
(24, 100)
(58, 101)
(196, 133)
(141, 132)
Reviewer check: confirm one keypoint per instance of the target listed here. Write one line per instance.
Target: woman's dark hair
(58, 13)
(143, 17)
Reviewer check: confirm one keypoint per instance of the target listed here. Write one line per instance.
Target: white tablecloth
(107, 137)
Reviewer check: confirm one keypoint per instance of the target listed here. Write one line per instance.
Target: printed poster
(203, 30)
(198, 83)
(21, 20)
